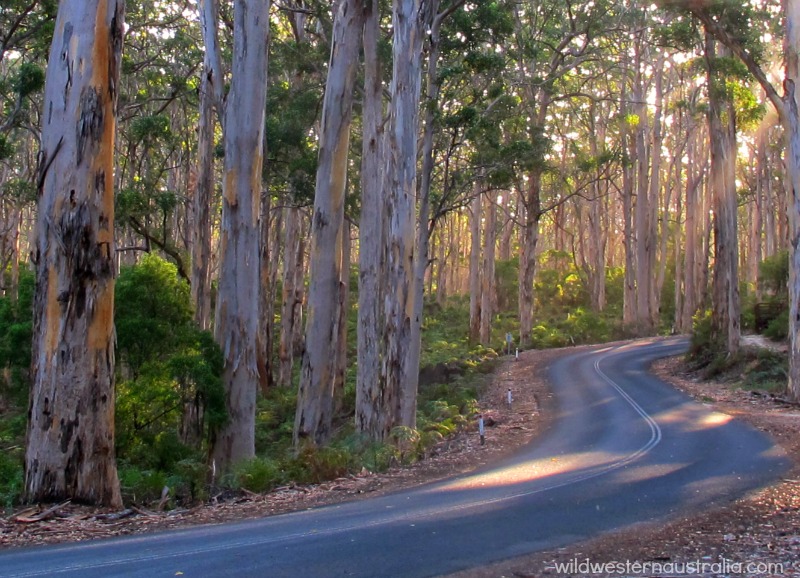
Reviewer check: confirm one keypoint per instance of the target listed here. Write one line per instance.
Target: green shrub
(778, 328)
(11, 474)
(258, 475)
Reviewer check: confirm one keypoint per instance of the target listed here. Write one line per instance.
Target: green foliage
(16, 327)
(773, 274)
(169, 371)
(765, 370)
(256, 475)
(778, 328)
(6, 148)
(29, 78)
(11, 476)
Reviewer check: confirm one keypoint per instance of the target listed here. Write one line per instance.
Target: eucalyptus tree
(787, 106)
(552, 40)
(315, 400)
(237, 319)
(70, 441)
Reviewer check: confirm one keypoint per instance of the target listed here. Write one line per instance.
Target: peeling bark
(70, 440)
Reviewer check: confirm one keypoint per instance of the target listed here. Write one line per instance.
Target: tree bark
(314, 415)
(292, 294)
(210, 99)
(237, 313)
(401, 174)
(487, 287)
(726, 310)
(70, 439)
(374, 402)
(475, 216)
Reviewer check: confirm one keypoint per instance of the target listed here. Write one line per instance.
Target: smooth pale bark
(292, 294)
(726, 310)
(70, 439)
(654, 298)
(408, 393)
(210, 99)
(315, 398)
(629, 288)
(644, 240)
(475, 217)
(374, 402)
(408, 29)
(791, 121)
(268, 275)
(488, 285)
(237, 312)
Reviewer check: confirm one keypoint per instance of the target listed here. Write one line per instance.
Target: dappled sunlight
(643, 473)
(688, 418)
(532, 470)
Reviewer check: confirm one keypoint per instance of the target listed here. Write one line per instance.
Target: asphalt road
(625, 447)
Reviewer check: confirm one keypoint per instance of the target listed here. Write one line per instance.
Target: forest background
(429, 185)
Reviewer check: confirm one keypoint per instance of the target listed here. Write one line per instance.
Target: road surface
(624, 448)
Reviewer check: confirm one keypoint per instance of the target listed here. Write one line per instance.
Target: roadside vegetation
(170, 397)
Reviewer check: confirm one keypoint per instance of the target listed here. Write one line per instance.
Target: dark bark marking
(91, 123)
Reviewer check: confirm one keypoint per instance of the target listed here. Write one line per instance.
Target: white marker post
(481, 430)
(510, 397)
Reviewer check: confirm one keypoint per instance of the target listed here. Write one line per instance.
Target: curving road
(625, 447)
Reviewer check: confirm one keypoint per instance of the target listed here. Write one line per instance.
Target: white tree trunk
(315, 402)
(487, 287)
(374, 402)
(401, 173)
(475, 216)
(70, 441)
(237, 314)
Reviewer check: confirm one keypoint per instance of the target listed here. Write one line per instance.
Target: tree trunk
(313, 418)
(644, 241)
(488, 286)
(629, 290)
(725, 296)
(210, 90)
(527, 262)
(475, 217)
(791, 122)
(292, 294)
(340, 374)
(239, 294)
(374, 402)
(70, 440)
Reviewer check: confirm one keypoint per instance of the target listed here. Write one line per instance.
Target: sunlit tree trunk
(722, 133)
(237, 314)
(340, 373)
(315, 405)
(70, 440)
(475, 217)
(629, 288)
(644, 240)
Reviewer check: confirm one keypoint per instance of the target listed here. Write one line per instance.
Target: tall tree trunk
(237, 312)
(527, 263)
(644, 241)
(408, 21)
(791, 121)
(475, 217)
(210, 98)
(314, 414)
(292, 294)
(70, 439)
(267, 275)
(488, 288)
(374, 402)
(340, 377)
(725, 296)
(629, 289)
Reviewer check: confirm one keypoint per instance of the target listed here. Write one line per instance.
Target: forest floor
(758, 530)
